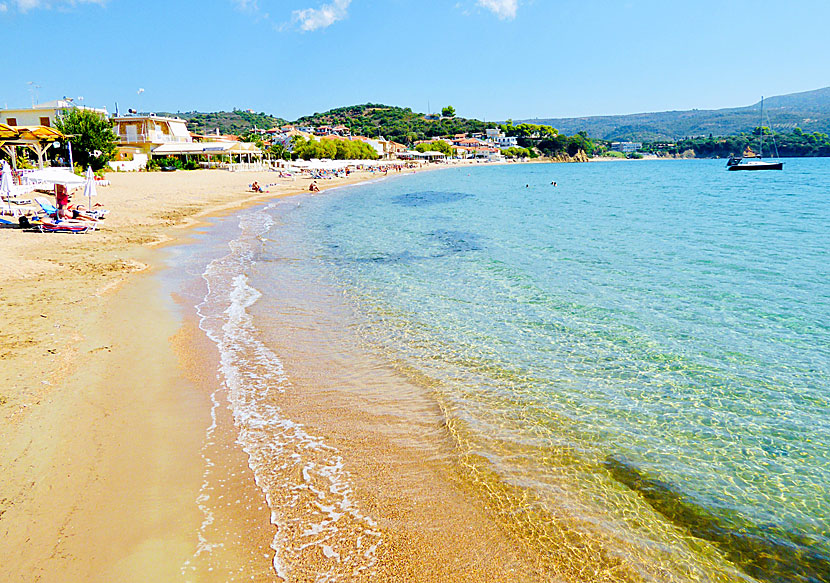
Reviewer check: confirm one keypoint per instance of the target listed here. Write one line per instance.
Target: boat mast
(761, 131)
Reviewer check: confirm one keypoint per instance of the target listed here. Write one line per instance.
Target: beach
(465, 375)
(106, 400)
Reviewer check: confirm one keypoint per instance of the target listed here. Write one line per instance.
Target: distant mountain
(809, 111)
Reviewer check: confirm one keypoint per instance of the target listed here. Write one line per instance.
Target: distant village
(144, 137)
(487, 145)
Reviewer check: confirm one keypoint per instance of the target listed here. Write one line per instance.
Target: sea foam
(304, 480)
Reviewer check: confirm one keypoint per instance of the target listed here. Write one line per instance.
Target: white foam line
(248, 373)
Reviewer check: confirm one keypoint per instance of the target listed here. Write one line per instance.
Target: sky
(490, 59)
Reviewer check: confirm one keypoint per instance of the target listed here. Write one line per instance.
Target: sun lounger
(66, 226)
(47, 206)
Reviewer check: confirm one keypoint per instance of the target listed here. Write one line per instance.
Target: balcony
(152, 138)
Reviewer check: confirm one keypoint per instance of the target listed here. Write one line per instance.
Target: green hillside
(394, 123)
(809, 111)
(234, 122)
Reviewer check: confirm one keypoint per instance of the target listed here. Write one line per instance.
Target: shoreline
(105, 403)
(101, 429)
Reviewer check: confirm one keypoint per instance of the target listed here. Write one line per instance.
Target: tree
(94, 143)
(279, 151)
(253, 138)
(448, 111)
(436, 146)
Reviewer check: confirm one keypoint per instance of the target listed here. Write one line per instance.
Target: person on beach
(62, 202)
(256, 187)
(313, 187)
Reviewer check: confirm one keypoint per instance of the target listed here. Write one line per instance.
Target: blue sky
(491, 59)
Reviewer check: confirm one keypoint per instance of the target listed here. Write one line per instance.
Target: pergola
(209, 149)
(36, 138)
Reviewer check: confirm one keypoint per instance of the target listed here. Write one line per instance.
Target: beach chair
(47, 206)
(66, 226)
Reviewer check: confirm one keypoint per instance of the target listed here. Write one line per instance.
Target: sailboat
(751, 161)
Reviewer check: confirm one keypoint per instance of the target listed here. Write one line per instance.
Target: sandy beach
(106, 398)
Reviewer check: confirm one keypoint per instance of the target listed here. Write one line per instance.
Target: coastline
(107, 396)
(103, 418)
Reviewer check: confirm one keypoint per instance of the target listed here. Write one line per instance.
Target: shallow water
(633, 366)
(662, 328)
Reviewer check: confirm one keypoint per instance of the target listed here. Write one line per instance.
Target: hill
(234, 122)
(395, 123)
(809, 111)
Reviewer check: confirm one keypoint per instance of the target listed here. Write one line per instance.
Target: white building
(148, 131)
(506, 141)
(626, 147)
(42, 114)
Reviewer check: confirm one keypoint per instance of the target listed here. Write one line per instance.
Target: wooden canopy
(36, 138)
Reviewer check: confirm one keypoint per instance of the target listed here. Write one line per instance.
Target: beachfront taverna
(153, 136)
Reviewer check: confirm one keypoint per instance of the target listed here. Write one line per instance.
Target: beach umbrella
(53, 176)
(89, 186)
(6, 184)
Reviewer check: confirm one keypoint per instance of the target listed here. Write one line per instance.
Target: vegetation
(94, 142)
(548, 140)
(236, 122)
(809, 110)
(794, 143)
(254, 138)
(436, 146)
(333, 149)
(393, 123)
(515, 152)
(279, 152)
(613, 154)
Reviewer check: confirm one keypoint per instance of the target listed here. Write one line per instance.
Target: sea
(631, 366)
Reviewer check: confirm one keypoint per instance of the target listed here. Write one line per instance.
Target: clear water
(634, 365)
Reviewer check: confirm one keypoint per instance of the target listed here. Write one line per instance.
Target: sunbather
(62, 201)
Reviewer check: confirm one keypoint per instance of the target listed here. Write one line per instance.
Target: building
(506, 141)
(626, 147)
(145, 132)
(152, 136)
(43, 114)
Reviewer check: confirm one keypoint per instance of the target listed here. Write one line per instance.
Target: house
(470, 143)
(43, 114)
(386, 149)
(153, 136)
(506, 141)
(393, 149)
(145, 132)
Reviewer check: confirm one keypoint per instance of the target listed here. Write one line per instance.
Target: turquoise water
(641, 353)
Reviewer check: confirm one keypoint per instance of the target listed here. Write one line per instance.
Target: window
(44, 121)
(12, 121)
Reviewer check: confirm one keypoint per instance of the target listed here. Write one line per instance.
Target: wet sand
(105, 395)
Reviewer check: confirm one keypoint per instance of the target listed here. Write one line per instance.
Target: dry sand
(104, 399)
